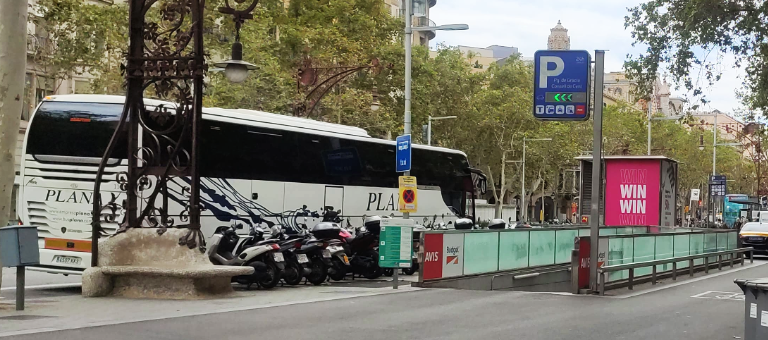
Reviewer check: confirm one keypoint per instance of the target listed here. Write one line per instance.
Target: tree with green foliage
(685, 37)
(81, 38)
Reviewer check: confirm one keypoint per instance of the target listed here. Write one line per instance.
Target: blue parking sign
(403, 153)
(561, 85)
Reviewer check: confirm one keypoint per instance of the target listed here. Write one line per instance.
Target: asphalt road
(672, 313)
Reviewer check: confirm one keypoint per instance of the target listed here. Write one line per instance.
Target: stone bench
(142, 264)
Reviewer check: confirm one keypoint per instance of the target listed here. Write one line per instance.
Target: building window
(28, 97)
(82, 87)
(45, 87)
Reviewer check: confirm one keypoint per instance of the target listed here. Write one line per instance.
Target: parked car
(755, 235)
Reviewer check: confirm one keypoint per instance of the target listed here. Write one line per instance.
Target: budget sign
(561, 85)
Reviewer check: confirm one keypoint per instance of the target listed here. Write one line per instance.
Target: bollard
(20, 279)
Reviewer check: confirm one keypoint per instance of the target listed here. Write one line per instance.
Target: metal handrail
(674, 260)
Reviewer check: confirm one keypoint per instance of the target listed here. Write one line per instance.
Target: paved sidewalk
(73, 311)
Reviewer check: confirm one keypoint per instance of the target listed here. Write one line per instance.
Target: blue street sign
(403, 153)
(561, 85)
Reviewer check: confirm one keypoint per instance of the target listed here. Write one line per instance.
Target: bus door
(334, 197)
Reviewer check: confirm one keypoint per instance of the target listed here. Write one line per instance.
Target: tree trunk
(500, 200)
(13, 47)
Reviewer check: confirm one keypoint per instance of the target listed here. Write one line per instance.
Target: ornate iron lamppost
(165, 56)
(310, 77)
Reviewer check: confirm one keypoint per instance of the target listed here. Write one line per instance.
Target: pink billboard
(632, 189)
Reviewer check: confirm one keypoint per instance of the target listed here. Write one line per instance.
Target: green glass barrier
(682, 247)
(542, 247)
(583, 232)
(733, 240)
(620, 251)
(645, 250)
(710, 245)
(607, 231)
(697, 247)
(665, 249)
(481, 252)
(513, 250)
(722, 241)
(639, 230)
(564, 240)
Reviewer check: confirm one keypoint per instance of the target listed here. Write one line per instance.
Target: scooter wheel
(271, 278)
(339, 270)
(292, 275)
(374, 271)
(388, 272)
(319, 272)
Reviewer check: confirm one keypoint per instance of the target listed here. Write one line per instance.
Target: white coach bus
(253, 164)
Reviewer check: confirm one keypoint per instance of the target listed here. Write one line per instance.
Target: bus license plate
(74, 260)
(278, 257)
(326, 253)
(302, 258)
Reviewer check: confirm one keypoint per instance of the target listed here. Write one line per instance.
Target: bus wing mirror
(483, 186)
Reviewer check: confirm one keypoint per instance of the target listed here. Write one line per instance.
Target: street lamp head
(235, 69)
(453, 27)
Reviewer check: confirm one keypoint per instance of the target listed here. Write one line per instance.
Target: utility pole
(13, 47)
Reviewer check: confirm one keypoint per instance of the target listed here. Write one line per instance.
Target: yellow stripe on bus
(68, 245)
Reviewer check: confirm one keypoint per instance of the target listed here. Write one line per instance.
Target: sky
(591, 24)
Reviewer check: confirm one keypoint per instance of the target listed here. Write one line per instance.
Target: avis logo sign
(431, 256)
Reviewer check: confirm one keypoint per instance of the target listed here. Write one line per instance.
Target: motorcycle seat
(349, 239)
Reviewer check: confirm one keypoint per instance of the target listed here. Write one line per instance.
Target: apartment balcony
(425, 22)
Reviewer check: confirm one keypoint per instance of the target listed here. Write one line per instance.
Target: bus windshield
(74, 129)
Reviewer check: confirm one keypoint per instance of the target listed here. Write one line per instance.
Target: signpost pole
(597, 150)
(407, 95)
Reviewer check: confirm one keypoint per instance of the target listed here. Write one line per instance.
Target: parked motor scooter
(297, 264)
(362, 249)
(230, 249)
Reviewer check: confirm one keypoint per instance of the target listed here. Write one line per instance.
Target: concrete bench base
(139, 263)
(161, 283)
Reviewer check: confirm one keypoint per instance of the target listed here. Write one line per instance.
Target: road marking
(708, 276)
(718, 295)
(53, 285)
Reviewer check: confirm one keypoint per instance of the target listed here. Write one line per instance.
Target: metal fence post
(690, 267)
(653, 278)
(631, 278)
(674, 271)
(602, 283)
(706, 264)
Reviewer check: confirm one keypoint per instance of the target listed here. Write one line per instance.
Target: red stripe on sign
(433, 256)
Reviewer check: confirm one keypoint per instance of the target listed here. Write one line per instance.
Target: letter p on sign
(545, 72)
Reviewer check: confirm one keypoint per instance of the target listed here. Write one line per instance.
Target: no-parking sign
(408, 197)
